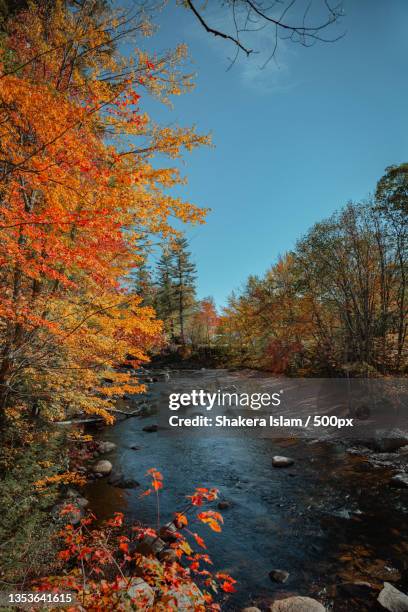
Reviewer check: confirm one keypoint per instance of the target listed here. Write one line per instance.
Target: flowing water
(330, 518)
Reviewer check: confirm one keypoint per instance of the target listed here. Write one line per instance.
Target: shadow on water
(329, 519)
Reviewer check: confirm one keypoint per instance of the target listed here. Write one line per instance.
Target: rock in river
(392, 599)
(117, 479)
(297, 604)
(102, 467)
(279, 461)
(400, 480)
(278, 575)
(251, 609)
(150, 428)
(106, 447)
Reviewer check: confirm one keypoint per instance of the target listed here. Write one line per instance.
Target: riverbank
(331, 520)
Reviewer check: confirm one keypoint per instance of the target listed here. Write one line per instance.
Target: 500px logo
(203, 399)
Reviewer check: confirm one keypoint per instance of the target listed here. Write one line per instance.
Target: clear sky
(293, 142)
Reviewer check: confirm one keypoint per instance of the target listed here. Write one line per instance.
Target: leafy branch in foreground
(107, 566)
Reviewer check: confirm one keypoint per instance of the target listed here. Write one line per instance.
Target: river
(331, 518)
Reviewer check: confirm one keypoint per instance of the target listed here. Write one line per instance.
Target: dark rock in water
(400, 480)
(151, 545)
(151, 428)
(279, 461)
(278, 575)
(224, 504)
(168, 555)
(392, 599)
(355, 589)
(134, 447)
(168, 533)
(297, 604)
(117, 479)
(389, 442)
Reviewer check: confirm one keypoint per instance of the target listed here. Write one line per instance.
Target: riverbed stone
(297, 604)
(250, 609)
(105, 446)
(392, 599)
(117, 479)
(224, 504)
(279, 461)
(278, 575)
(102, 467)
(400, 480)
(141, 593)
(150, 428)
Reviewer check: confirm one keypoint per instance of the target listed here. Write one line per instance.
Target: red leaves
(212, 519)
(117, 521)
(157, 478)
(201, 495)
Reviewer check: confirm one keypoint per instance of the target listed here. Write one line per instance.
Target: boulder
(168, 532)
(168, 555)
(392, 599)
(102, 467)
(106, 447)
(141, 593)
(150, 545)
(278, 575)
(187, 598)
(390, 441)
(297, 604)
(150, 428)
(278, 461)
(400, 480)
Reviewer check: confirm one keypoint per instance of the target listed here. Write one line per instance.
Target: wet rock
(134, 447)
(403, 450)
(150, 545)
(224, 504)
(102, 468)
(82, 502)
(278, 575)
(297, 604)
(168, 532)
(106, 447)
(168, 555)
(251, 609)
(400, 480)
(117, 479)
(279, 461)
(141, 593)
(392, 599)
(355, 589)
(390, 442)
(150, 428)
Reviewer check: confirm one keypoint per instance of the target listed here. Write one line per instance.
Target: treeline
(170, 288)
(338, 302)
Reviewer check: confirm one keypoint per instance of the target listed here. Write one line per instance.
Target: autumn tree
(203, 323)
(79, 193)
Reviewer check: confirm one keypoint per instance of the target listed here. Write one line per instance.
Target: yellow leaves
(65, 478)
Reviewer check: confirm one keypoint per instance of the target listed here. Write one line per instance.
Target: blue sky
(293, 142)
